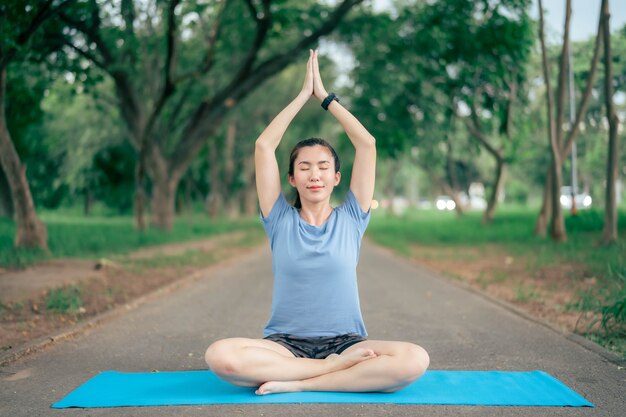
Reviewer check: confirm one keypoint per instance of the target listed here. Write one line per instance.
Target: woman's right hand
(307, 87)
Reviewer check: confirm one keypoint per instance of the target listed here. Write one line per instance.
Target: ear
(337, 178)
(291, 180)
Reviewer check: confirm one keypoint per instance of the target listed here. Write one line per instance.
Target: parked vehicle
(582, 200)
(444, 202)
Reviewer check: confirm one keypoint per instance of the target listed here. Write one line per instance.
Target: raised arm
(267, 173)
(364, 168)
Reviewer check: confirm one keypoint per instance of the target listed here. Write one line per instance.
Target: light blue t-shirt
(315, 285)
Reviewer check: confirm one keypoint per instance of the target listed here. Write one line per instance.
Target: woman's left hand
(318, 87)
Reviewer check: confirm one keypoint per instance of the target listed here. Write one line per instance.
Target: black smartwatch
(328, 100)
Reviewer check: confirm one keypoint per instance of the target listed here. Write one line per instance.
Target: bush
(64, 300)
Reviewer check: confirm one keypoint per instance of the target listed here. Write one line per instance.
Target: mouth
(315, 188)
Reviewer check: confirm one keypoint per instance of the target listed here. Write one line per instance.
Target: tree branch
(584, 101)
(508, 128)
(252, 9)
(130, 103)
(168, 86)
(263, 25)
(92, 35)
(546, 73)
(476, 131)
(563, 63)
(171, 46)
(87, 55)
(210, 55)
(45, 12)
(200, 125)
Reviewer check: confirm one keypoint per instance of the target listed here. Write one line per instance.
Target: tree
(609, 233)
(434, 65)
(560, 145)
(488, 76)
(170, 110)
(20, 21)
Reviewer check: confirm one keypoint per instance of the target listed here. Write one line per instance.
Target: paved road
(459, 328)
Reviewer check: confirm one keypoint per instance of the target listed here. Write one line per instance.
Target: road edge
(572, 337)
(46, 342)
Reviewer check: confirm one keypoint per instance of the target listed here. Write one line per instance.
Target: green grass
(526, 293)
(513, 231)
(64, 300)
(70, 235)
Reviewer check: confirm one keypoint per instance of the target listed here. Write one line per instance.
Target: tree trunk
(6, 203)
(250, 197)
(30, 232)
(609, 234)
(88, 203)
(454, 195)
(140, 190)
(389, 188)
(541, 226)
(557, 227)
(214, 200)
(496, 191)
(229, 196)
(163, 203)
(164, 185)
(234, 205)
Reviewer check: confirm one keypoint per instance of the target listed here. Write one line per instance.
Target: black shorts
(315, 347)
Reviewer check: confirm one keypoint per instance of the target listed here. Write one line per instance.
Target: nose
(314, 175)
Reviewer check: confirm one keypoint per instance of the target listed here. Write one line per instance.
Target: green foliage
(64, 300)
(422, 71)
(98, 236)
(614, 318)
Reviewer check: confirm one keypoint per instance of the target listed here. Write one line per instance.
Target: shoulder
(280, 210)
(351, 208)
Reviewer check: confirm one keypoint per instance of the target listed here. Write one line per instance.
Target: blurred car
(444, 202)
(582, 200)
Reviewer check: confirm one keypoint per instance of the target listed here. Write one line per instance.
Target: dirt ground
(47, 298)
(548, 292)
(55, 295)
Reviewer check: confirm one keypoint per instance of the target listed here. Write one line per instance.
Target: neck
(316, 214)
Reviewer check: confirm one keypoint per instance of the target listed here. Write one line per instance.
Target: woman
(315, 338)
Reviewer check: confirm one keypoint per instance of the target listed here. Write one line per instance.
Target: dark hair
(294, 154)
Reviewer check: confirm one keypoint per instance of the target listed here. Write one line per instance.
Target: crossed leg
(252, 362)
(368, 366)
(396, 365)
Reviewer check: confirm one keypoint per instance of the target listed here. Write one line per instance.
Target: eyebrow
(310, 163)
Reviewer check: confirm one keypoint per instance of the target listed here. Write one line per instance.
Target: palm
(318, 87)
(307, 86)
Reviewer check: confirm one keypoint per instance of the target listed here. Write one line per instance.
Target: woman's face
(314, 174)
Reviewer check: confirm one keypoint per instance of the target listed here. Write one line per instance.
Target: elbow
(371, 141)
(261, 146)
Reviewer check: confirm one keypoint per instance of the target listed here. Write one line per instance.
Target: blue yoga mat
(118, 389)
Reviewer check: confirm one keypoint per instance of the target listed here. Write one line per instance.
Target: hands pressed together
(313, 85)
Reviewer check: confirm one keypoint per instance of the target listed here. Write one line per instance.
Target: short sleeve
(278, 211)
(352, 207)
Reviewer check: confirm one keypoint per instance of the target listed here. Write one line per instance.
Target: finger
(315, 60)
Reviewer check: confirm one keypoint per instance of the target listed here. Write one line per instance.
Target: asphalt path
(461, 330)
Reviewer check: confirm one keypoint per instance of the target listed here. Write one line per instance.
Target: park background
(131, 124)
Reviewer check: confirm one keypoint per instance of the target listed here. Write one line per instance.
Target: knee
(415, 361)
(221, 357)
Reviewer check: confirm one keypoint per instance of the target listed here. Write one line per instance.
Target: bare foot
(347, 360)
(337, 362)
(275, 387)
